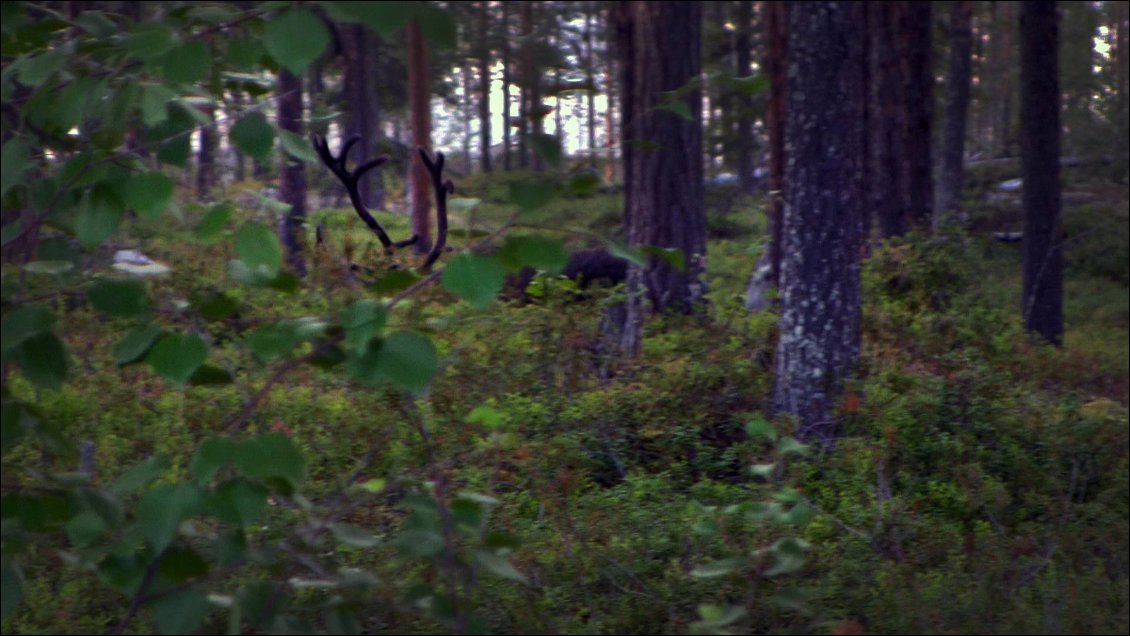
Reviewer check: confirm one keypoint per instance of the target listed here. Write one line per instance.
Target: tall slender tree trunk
(484, 85)
(507, 126)
(1039, 117)
(776, 68)
(526, 101)
(590, 80)
(663, 187)
(1002, 46)
(612, 73)
(743, 48)
(957, 106)
(362, 121)
(915, 40)
(419, 95)
(885, 99)
(820, 278)
(292, 173)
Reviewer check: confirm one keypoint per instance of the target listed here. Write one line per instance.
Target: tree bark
(292, 181)
(663, 184)
(743, 46)
(590, 77)
(506, 120)
(885, 102)
(420, 106)
(957, 106)
(820, 277)
(918, 80)
(1039, 117)
(776, 68)
(362, 121)
(484, 85)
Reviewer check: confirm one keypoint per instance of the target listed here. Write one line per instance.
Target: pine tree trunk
(776, 68)
(206, 156)
(743, 46)
(362, 120)
(885, 102)
(957, 106)
(590, 77)
(292, 173)
(419, 97)
(915, 40)
(664, 195)
(484, 85)
(820, 277)
(1039, 117)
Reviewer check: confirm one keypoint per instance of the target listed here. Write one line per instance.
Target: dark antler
(351, 180)
(442, 188)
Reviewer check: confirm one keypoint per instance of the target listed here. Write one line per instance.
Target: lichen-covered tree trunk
(661, 46)
(362, 121)
(957, 106)
(1040, 139)
(292, 173)
(419, 96)
(820, 285)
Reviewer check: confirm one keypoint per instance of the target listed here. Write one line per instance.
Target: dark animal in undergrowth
(586, 267)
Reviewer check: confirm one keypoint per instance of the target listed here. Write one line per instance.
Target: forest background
(675, 317)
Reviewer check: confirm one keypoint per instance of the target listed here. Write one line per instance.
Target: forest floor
(982, 483)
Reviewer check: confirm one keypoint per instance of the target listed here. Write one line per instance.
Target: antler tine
(350, 181)
(442, 189)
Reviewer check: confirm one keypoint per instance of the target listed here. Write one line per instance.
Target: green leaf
(408, 360)
(177, 356)
(24, 323)
(631, 254)
(272, 456)
(395, 281)
(182, 612)
(438, 26)
(213, 221)
(140, 475)
(531, 195)
(373, 486)
(258, 248)
(160, 511)
(119, 298)
(680, 108)
(150, 40)
(136, 344)
(763, 470)
(212, 454)
(714, 618)
(673, 256)
(85, 528)
(353, 536)
(420, 544)
(254, 135)
(499, 566)
(98, 216)
(752, 85)
(16, 160)
(186, 63)
(386, 18)
(181, 564)
(718, 568)
(296, 146)
(296, 38)
(245, 53)
(148, 193)
(548, 147)
(238, 502)
(37, 70)
(214, 306)
(478, 278)
(43, 360)
(539, 252)
(155, 100)
(271, 342)
(97, 24)
(362, 321)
